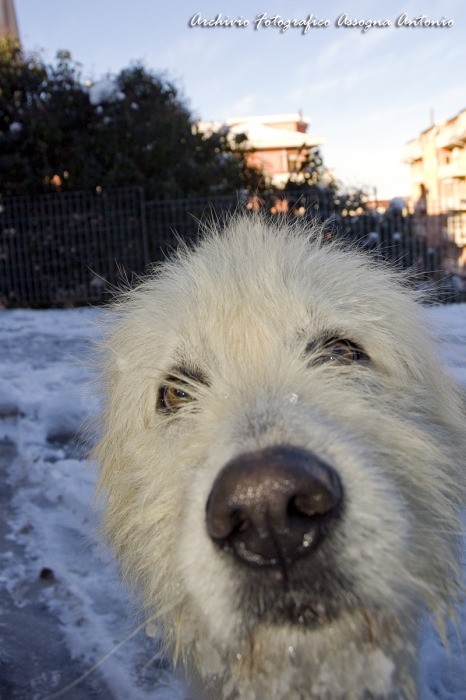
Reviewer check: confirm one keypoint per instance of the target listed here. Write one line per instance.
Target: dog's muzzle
(273, 506)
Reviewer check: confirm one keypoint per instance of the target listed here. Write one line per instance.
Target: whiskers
(159, 614)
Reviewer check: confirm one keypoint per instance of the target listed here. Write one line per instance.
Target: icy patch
(52, 557)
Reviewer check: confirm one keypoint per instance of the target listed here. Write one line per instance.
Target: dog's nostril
(318, 501)
(223, 522)
(242, 524)
(273, 506)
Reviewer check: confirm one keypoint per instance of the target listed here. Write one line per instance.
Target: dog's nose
(273, 506)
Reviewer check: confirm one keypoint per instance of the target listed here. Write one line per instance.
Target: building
(438, 175)
(8, 23)
(279, 142)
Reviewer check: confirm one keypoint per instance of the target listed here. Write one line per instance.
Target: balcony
(454, 203)
(453, 133)
(451, 170)
(413, 151)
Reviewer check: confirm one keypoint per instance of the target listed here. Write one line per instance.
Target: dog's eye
(341, 350)
(172, 398)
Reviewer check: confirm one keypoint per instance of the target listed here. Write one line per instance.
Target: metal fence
(77, 248)
(170, 220)
(68, 248)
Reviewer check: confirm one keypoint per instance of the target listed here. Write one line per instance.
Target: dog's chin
(305, 614)
(310, 594)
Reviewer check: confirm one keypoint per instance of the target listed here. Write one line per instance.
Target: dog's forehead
(245, 295)
(278, 296)
(238, 306)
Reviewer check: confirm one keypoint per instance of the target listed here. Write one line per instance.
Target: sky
(367, 92)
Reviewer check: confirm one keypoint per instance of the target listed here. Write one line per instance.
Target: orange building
(279, 142)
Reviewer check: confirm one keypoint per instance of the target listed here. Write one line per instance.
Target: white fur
(242, 307)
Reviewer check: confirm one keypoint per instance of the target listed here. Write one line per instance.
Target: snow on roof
(270, 119)
(261, 136)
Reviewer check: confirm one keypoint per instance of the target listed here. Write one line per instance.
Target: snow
(44, 398)
(105, 90)
(62, 606)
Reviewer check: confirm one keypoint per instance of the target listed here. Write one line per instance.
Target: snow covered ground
(62, 608)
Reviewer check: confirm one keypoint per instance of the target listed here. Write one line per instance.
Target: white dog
(282, 462)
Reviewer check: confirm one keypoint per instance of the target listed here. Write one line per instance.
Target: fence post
(145, 241)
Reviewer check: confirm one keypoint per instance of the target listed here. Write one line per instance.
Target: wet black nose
(273, 506)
